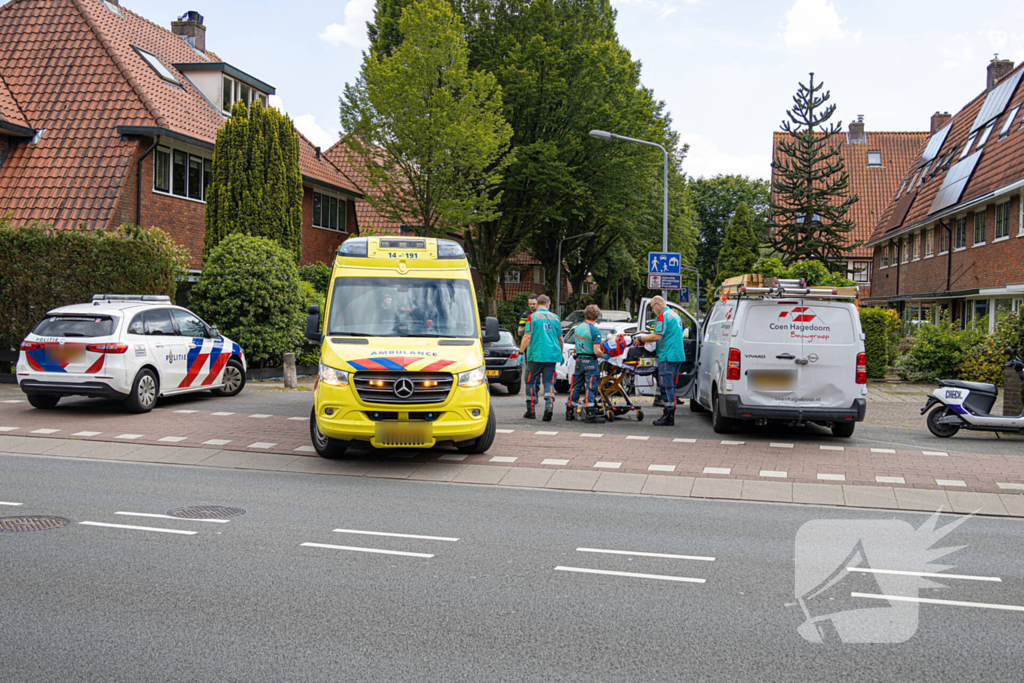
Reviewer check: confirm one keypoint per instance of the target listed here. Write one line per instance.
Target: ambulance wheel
(144, 392)
(943, 431)
(697, 407)
(234, 379)
(639, 416)
(43, 401)
(481, 444)
(515, 387)
(720, 423)
(843, 429)
(324, 446)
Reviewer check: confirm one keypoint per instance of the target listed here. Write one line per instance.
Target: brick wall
(1012, 393)
(992, 265)
(319, 245)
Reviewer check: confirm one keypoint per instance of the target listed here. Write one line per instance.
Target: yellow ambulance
(401, 350)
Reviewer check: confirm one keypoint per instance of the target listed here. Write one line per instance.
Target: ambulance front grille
(426, 387)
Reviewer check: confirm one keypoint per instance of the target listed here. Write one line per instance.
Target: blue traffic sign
(663, 263)
(684, 295)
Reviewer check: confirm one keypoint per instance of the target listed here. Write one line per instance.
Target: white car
(126, 347)
(564, 370)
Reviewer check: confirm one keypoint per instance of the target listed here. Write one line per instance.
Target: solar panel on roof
(954, 183)
(935, 144)
(996, 100)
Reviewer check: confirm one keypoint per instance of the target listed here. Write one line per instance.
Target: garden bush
(250, 290)
(309, 354)
(816, 274)
(875, 324)
(508, 311)
(318, 275)
(936, 351)
(45, 268)
(983, 361)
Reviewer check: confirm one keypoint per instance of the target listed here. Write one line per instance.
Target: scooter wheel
(639, 416)
(943, 431)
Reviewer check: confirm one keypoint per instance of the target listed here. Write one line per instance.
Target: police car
(126, 347)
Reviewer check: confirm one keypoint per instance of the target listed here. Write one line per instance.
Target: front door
(691, 345)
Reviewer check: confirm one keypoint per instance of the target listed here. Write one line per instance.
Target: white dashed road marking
(306, 449)
(504, 458)
(658, 577)
(586, 435)
(1005, 485)
(883, 450)
(86, 433)
(128, 436)
(377, 551)
(259, 415)
(632, 437)
(732, 443)
(186, 411)
(661, 468)
(221, 414)
(890, 480)
(717, 470)
(937, 575)
(545, 433)
(554, 461)
(298, 418)
(11, 504)
(778, 474)
(44, 431)
(608, 465)
(940, 453)
(14, 401)
(504, 431)
(832, 448)
(932, 601)
(831, 477)
(669, 556)
(261, 444)
(172, 439)
(684, 440)
(950, 482)
(394, 535)
(780, 445)
(217, 442)
(7, 429)
(180, 519)
(140, 528)
(451, 457)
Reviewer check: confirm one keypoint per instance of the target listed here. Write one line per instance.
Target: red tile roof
(10, 112)
(344, 158)
(874, 185)
(1001, 163)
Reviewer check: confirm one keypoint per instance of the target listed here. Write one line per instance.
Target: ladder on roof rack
(748, 286)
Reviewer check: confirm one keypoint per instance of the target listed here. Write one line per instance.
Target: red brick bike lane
(730, 458)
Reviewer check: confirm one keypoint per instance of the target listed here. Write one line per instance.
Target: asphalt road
(246, 601)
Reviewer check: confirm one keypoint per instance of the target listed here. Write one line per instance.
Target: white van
(771, 356)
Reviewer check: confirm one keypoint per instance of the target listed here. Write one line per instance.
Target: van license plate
(493, 373)
(398, 434)
(772, 380)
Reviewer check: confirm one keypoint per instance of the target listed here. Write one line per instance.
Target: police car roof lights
(450, 249)
(161, 298)
(353, 246)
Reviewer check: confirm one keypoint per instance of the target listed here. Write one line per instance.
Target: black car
(502, 362)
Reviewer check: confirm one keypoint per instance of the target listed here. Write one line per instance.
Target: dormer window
(157, 66)
(874, 158)
(233, 90)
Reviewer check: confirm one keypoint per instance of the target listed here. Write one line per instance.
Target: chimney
(857, 136)
(939, 120)
(997, 70)
(190, 26)
(317, 150)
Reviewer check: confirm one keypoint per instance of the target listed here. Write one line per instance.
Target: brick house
(876, 163)
(106, 118)
(952, 238)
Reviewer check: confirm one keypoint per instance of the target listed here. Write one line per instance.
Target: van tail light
(734, 364)
(514, 356)
(29, 346)
(107, 348)
(862, 368)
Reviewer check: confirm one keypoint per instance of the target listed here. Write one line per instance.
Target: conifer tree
(740, 249)
(257, 185)
(810, 199)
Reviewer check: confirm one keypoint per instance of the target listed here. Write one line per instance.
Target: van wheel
(233, 378)
(720, 423)
(484, 441)
(43, 401)
(943, 431)
(843, 429)
(144, 392)
(696, 407)
(514, 387)
(324, 446)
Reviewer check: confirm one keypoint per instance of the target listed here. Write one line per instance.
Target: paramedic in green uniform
(588, 350)
(542, 348)
(668, 332)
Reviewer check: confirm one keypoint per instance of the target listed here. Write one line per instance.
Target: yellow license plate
(772, 380)
(396, 434)
(493, 373)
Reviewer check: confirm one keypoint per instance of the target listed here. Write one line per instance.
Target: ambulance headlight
(472, 378)
(333, 376)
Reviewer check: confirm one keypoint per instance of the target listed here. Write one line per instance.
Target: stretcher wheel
(639, 416)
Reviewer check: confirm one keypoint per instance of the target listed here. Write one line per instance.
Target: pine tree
(740, 249)
(257, 184)
(810, 199)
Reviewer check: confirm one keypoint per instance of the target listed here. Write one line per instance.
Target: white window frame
(517, 280)
(158, 67)
(956, 233)
(929, 244)
(1002, 211)
(904, 252)
(254, 93)
(1020, 216)
(342, 212)
(869, 155)
(169, 192)
(916, 240)
(883, 257)
(984, 229)
(943, 233)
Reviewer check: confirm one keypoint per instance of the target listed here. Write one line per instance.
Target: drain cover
(31, 523)
(206, 512)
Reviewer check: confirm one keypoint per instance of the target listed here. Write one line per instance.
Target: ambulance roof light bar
(161, 298)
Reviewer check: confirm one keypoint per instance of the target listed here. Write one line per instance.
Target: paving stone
(28, 444)
(928, 500)
(980, 503)
(227, 459)
(526, 476)
(481, 474)
(143, 453)
(869, 497)
(269, 461)
(74, 448)
(662, 485)
(573, 480)
(776, 491)
(1014, 504)
(307, 465)
(620, 482)
(392, 470)
(112, 451)
(716, 488)
(818, 494)
(438, 472)
(189, 456)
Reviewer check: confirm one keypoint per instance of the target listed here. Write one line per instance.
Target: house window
(181, 174)
(157, 66)
(984, 135)
(538, 275)
(905, 251)
(874, 158)
(233, 90)
(943, 239)
(512, 277)
(207, 176)
(1002, 220)
(1005, 130)
(858, 271)
(967, 146)
(917, 246)
(162, 172)
(195, 177)
(883, 258)
(329, 212)
(928, 247)
(979, 228)
(960, 234)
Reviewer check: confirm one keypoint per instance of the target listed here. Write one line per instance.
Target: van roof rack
(162, 298)
(754, 285)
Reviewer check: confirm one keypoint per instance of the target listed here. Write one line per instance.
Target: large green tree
(740, 250)
(715, 200)
(257, 185)
(811, 194)
(428, 131)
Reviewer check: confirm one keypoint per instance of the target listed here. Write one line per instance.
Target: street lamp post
(605, 135)
(558, 271)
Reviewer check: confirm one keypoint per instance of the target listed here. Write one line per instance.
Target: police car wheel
(144, 392)
(43, 401)
(484, 441)
(234, 379)
(324, 446)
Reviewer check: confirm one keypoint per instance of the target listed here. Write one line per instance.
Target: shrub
(46, 268)
(875, 323)
(309, 354)
(936, 351)
(250, 290)
(318, 275)
(508, 311)
(983, 361)
(892, 334)
(815, 274)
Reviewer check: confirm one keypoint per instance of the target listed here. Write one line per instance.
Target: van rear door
(685, 386)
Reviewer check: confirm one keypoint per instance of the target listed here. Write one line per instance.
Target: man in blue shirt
(668, 332)
(584, 380)
(542, 349)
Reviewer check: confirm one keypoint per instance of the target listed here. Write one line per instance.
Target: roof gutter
(160, 131)
(15, 129)
(310, 180)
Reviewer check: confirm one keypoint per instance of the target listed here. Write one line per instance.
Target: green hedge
(45, 268)
(874, 322)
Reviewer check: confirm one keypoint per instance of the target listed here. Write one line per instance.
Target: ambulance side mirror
(491, 331)
(313, 324)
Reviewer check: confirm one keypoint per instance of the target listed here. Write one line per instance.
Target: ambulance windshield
(402, 307)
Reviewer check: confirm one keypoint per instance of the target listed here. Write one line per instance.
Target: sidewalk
(782, 472)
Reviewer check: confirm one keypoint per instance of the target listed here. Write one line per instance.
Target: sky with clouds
(727, 69)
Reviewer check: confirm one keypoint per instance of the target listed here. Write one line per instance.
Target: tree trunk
(489, 285)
